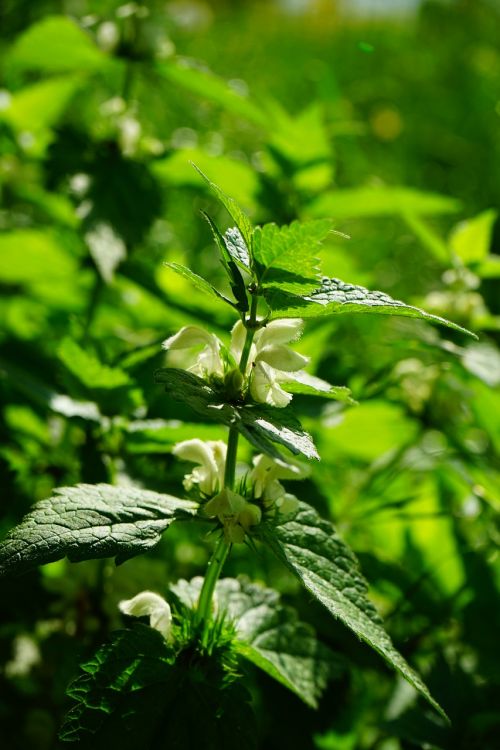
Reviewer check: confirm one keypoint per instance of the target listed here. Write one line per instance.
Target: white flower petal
(149, 604)
(281, 358)
(264, 387)
(211, 457)
(280, 332)
(188, 337)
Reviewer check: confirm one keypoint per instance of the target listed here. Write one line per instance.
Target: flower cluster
(261, 492)
(271, 362)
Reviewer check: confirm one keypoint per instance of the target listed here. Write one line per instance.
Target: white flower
(153, 605)
(211, 457)
(265, 477)
(235, 514)
(196, 351)
(270, 362)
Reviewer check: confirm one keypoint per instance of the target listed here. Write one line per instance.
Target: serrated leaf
(269, 635)
(290, 249)
(239, 217)
(198, 281)
(235, 277)
(309, 385)
(261, 425)
(90, 521)
(132, 695)
(335, 296)
(312, 550)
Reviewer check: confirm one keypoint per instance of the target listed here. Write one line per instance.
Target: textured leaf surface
(291, 249)
(90, 521)
(198, 281)
(132, 695)
(237, 248)
(309, 385)
(270, 635)
(312, 550)
(238, 216)
(232, 270)
(335, 296)
(261, 425)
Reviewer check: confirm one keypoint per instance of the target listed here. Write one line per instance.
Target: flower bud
(233, 383)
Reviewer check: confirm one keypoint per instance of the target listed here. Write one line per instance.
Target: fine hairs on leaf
(143, 687)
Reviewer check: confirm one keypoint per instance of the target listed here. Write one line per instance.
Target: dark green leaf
(90, 521)
(269, 635)
(311, 548)
(132, 695)
(261, 425)
(235, 277)
(335, 296)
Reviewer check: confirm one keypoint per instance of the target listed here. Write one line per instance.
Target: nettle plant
(175, 681)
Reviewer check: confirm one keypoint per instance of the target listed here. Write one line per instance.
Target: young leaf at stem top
(235, 277)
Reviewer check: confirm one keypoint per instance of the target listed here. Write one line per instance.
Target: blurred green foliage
(387, 125)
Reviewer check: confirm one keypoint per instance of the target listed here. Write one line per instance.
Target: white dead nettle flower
(271, 362)
(154, 606)
(200, 351)
(265, 477)
(211, 457)
(235, 513)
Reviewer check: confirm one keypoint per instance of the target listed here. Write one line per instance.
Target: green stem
(207, 590)
(232, 449)
(245, 354)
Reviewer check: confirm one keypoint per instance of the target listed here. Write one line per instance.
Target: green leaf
(40, 105)
(90, 521)
(291, 249)
(239, 217)
(235, 278)
(55, 45)
(89, 370)
(261, 425)
(237, 249)
(312, 550)
(381, 201)
(132, 695)
(269, 635)
(335, 296)
(198, 281)
(471, 240)
(309, 385)
(191, 76)
(26, 254)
